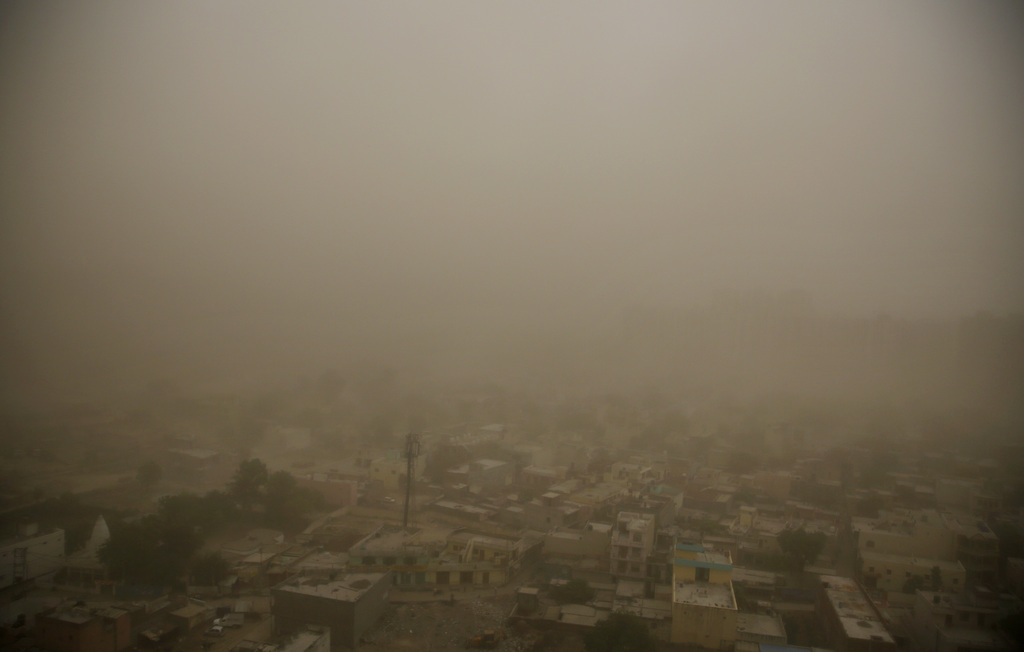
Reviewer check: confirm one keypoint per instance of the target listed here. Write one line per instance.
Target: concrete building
(81, 629)
(632, 542)
(30, 553)
(891, 572)
(703, 602)
(390, 470)
(849, 621)
(480, 475)
(911, 533)
(948, 622)
(976, 547)
(550, 510)
(586, 543)
(348, 606)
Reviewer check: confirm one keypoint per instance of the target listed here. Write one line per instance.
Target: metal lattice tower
(412, 451)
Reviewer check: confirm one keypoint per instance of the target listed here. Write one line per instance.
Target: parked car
(216, 630)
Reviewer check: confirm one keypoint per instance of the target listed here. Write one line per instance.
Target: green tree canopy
(801, 546)
(209, 568)
(149, 550)
(286, 503)
(620, 632)
(248, 482)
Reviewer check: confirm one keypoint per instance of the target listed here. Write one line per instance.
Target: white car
(216, 630)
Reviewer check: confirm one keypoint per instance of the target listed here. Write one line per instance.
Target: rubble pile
(443, 626)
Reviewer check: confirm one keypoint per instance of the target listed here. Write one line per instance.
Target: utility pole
(412, 451)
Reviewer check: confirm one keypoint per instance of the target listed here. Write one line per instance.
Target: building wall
(709, 627)
(891, 573)
(44, 553)
(97, 634)
(348, 619)
(577, 543)
(925, 540)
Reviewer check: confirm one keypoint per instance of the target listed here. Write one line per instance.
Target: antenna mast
(412, 451)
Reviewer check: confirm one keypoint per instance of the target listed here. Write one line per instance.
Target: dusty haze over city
(622, 194)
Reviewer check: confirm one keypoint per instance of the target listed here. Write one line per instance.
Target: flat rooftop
(858, 618)
(704, 594)
(350, 588)
(760, 626)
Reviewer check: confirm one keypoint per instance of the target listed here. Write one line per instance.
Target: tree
(210, 568)
(149, 551)
(620, 632)
(801, 546)
(248, 482)
(573, 591)
(149, 474)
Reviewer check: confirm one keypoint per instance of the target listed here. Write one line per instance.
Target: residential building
(949, 622)
(703, 602)
(82, 629)
(590, 542)
(481, 475)
(976, 547)
(633, 539)
(348, 605)
(848, 618)
(30, 553)
(917, 533)
(892, 572)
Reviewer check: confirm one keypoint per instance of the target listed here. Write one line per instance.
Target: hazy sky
(180, 176)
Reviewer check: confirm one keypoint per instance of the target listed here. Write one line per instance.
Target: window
(409, 561)
(637, 537)
(703, 574)
(869, 544)
(369, 561)
(389, 561)
(888, 571)
(871, 569)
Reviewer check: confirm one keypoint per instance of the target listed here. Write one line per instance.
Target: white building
(30, 554)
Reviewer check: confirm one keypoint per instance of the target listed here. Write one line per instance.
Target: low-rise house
(83, 629)
(893, 572)
(348, 605)
(949, 622)
(550, 510)
(849, 620)
(481, 475)
(590, 542)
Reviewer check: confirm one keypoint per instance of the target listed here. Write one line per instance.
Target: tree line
(164, 548)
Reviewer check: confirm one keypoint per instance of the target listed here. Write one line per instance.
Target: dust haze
(818, 199)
